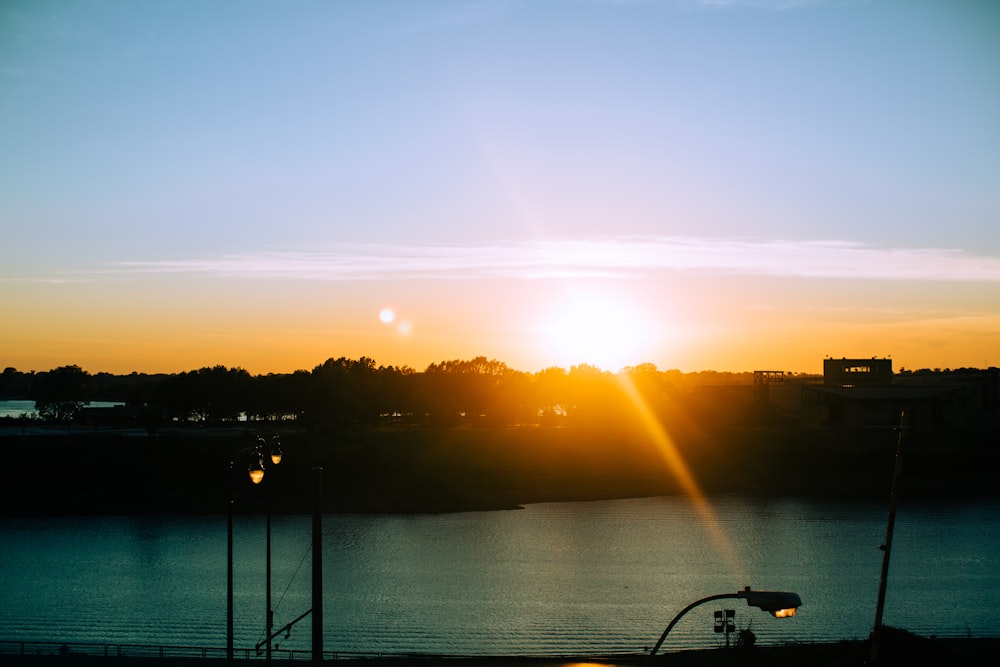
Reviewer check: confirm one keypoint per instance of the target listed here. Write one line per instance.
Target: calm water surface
(17, 408)
(22, 408)
(596, 577)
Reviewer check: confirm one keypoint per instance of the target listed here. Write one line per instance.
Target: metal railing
(111, 650)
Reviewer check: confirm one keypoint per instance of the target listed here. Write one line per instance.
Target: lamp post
(777, 603)
(256, 474)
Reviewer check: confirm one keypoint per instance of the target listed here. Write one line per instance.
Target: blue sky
(698, 160)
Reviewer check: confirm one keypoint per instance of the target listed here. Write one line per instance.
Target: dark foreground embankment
(456, 469)
(905, 650)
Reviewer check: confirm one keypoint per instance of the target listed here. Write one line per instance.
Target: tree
(61, 393)
(479, 390)
(208, 394)
(345, 391)
(277, 397)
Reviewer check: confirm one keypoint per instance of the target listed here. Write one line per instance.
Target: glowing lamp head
(256, 472)
(779, 604)
(275, 450)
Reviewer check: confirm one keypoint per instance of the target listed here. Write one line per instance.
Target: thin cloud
(484, 11)
(537, 260)
(767, 5)
(718, 4)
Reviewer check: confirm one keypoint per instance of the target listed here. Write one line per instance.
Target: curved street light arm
(262, 445)
(780, 604)
(710, 598)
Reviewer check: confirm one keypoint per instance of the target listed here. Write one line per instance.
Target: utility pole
(317, 565)
(887, 547)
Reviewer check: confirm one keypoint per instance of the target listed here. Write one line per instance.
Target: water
(599, 577)
(15, 409)
(18, 408)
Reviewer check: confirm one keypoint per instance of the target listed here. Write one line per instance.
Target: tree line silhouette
(395, 439)
(360, 392)
(342, 392)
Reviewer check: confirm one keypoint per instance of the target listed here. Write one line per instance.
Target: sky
(698, 184)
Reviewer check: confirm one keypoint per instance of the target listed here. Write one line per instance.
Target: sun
(598, 327)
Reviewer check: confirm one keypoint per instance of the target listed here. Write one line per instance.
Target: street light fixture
(256, 471)
(256, 474)
(777, 603)
(275, 450)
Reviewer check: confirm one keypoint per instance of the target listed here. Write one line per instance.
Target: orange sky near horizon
(155, 326)
(700, 185)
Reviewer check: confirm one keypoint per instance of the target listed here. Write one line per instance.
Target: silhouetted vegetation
(348, 392)
(60, 393)
(466, 435)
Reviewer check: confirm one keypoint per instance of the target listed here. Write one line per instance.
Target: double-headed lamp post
(256, 473)
(777, 603)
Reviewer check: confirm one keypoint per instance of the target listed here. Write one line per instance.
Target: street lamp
(777, 603)
(256, 474)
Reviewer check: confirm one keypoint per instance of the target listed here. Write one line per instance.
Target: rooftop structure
(845, 372)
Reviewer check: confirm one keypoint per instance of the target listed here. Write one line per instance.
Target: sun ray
(675, 462)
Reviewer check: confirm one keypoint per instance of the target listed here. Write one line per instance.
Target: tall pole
(317, 565)
(229, 569)
(256, 472)
(887, 547)
(269, 618)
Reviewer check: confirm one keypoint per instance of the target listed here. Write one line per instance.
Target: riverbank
(902, 649)
(404, 470)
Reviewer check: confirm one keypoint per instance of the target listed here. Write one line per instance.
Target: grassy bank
(454, 469)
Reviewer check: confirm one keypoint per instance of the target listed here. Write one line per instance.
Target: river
(554, 578)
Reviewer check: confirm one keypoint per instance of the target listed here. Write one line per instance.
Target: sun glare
(606, 330)
(678, 467)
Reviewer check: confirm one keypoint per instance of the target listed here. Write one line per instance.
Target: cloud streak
(771, 5)
(608, 258)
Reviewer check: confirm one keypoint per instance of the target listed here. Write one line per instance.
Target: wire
(294, 574)
(285, 592)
